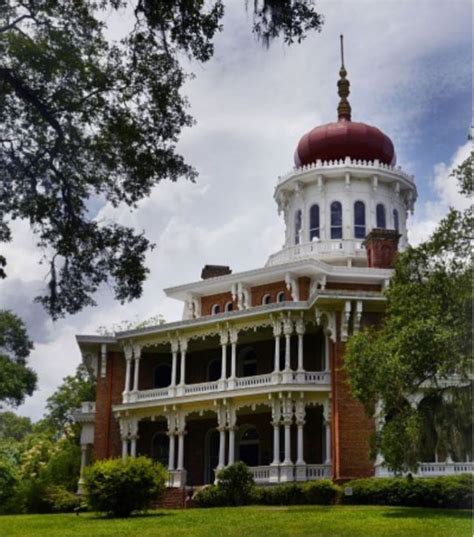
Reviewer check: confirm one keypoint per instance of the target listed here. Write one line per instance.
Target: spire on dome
(344, 108)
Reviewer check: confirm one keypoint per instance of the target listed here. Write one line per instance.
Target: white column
(300, 329)
(184, 346)
(288, 329)
(80, 488)
(221, 462)
(180, 450)
(300, 412)
(136, 372)
(174, 362)
(128, 351)
(328, 442)
(172, 443)
(124, 448)
(224, 341)
(133, 446)
(276, 443)
(231, 445)
(287, 425)
(233, 335)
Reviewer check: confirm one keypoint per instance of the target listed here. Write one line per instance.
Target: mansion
(253, 371)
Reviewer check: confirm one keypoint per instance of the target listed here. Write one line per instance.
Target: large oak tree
(84, 118)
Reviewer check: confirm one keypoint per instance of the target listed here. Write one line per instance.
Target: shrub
(236, 484)
(209, 496)
(119, 487)
(449, 491)
(8, 481)
(287, 494)
(323, 492)
(60, 499)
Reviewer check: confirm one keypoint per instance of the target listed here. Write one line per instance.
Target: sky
(409, 64)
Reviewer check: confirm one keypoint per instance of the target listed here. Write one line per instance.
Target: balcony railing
(434, 469)
(308, 378)
(308, 472)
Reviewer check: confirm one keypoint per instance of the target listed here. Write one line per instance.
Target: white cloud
(430, 212)
(251, 106)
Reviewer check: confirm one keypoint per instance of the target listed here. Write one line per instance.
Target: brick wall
(272, 289)
(304, 285)
(221, 298)
(107, 442)
(351, 428)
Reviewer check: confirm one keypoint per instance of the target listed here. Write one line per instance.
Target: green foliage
(68, 397)
(209, 496)
(8, 482)
(322, 492)
(425, 339)
(87, 119)
(60, 499)
(236, 484)
(450, 491)
(120, 487)
(13, 427)
(287, 494)
(17, 380)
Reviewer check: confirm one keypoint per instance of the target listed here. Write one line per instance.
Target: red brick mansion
(253, 370)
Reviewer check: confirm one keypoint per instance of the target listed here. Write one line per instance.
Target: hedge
(448, 491)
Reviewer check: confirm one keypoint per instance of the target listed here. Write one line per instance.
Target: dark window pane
(314, 222)
(396, 221)
(359, 220)
(381, 223)
(336, 220)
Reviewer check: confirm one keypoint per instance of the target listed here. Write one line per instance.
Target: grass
(314, 521)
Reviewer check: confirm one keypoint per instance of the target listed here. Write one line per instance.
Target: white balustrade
(318, 471)
(261, 474)
(322, 378)
(433, 469)
(88, 407)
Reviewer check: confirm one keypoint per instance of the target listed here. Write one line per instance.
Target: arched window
(281, 296)
(314, 222)
(248, 362)
(359, 219)
(162, 376)
(229, 306)
(297, 226)
(160, 448)
(396, 220)
(381, 220)
(266, 299)
(249, 445)
(336, 220)
(215, 309)
(214, 370)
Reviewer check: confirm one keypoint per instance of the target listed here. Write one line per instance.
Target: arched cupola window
(396, 220)
(281, 296)
(381, 219)
(267, 299)
(314, 222)
(229, 306)
(215, 309)
(359, 219)
(298, 223)
(336, 220)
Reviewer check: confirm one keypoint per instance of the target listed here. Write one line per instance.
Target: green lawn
(340, 521)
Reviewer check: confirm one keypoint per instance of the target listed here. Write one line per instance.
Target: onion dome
(344, 138)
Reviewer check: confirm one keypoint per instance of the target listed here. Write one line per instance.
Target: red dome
(344, 138)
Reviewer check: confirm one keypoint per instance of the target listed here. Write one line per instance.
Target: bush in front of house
(209, 496)
(236, 484)
(322, 492)
(449, 491)
(287, 494)
(119, 487)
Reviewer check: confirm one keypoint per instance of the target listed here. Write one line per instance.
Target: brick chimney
(213, 271)
(382, 247)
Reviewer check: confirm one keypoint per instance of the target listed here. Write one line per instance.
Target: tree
(424, 342)
(87, 119)
(17, 380)
(67, 398)
(13, 427)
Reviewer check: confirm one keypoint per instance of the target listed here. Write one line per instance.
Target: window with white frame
(267, 299)
(359, 220)
(314, 222)
(336, 220)
(229, 306)
(380, 214)
(215, 309)
(281, 296)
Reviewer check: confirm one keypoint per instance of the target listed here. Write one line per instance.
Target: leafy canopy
(87, 120)
(17, 380)
(424, 341)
